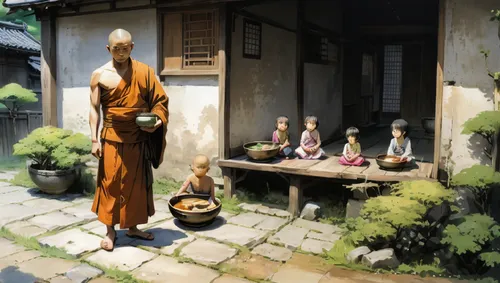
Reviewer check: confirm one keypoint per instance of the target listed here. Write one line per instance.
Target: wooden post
(439, 88)
(295, 196)
(48, 69)
(226, 23)
(300, 66)
(229, 182)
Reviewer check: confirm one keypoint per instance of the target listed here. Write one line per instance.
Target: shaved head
(119, 35)
(202, 160)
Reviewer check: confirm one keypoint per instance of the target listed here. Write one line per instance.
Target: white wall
(468, 30)
(193, 102)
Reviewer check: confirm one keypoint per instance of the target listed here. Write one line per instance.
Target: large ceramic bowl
(389, 164)
(262, 154)
(194, 218)
(146, 120)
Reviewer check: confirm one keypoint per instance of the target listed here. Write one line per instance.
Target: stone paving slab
(290, 237)
(13, 274)
(207, 252)
(17, 212)
(92, 225)
(8, 188)
(122, 258)
(81, 210)
(7, 175)
(293, 275)
(247, 219)
(243, 236)
(264, 210)
(271, 223)
(167, 238)
(161, 205)
(17, 258)
(75, 242)
(226, 278)
(47, 205)
(225, 215)
(103, 280)
(316, 226)
(25, 229)
(61, 279)
(83, 273)
(273, 252)
(18, 196)
(121, 240)
(46, 268)
(251, 266)
(167, 269)
(324, 237)
(55, 220)
(8, 247)
(316, 246)
(159, 216)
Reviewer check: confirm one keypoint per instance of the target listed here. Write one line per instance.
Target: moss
(164, 186)
(23, 179)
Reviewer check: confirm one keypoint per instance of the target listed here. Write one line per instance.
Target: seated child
(400, 145)
(282, 137)
(199, 182)
(310, 140)
(352, 150)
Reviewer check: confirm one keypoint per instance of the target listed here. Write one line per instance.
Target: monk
(125, 87)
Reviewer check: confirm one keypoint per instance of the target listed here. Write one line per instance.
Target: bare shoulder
(190, 178)
(96, 74)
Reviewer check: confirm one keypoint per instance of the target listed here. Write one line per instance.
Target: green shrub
(485, 124)
(471, 241)
(15, 95)
(54, 148)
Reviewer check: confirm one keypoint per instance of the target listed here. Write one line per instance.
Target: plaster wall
(193, 102)
(468, 31)
(262, 89)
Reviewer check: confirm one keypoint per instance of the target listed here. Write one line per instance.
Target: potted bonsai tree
(13, 96)
(56, 155)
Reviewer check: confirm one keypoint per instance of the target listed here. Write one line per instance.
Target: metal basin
(194, 218)
(388, 164)
(261, 154)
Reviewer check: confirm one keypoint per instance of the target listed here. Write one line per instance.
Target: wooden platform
(296, 169)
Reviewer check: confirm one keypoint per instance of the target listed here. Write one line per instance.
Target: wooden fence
(13, 130)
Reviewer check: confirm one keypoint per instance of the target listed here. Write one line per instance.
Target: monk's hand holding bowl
(152, 129)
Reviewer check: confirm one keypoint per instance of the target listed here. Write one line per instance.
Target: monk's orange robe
(124, 192)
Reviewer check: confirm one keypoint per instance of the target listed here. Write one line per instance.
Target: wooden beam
(226, 22)
(299, 49)
(439, 88)
(264, 20)
(398, 30)
(295, 196)
(229, 175)
(48, 69)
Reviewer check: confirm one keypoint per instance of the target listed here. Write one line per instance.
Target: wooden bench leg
(229, 182)
(295, 197)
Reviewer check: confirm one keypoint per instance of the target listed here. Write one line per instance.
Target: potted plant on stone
(56, 156)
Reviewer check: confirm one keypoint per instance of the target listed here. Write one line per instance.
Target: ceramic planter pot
(53, 182)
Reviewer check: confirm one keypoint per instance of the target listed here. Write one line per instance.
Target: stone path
(259, 244)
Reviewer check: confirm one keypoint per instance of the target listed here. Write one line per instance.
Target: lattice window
(393, 76)
(200, 39)
(252, 39)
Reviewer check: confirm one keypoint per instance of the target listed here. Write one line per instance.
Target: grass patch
(164, 186)
(333, 212)
(116, 274)
(230, 205)
(422, 269)
(23, 179)
(33, 244)
(12, 163)
(337, 255)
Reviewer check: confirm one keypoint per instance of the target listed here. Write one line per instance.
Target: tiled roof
(20, 3)
(34, 61)
(15, 36)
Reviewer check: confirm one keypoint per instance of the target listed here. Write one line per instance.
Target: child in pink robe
(310, 140)
(352, 150)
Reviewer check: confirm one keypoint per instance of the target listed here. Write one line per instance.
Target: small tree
(13, 96)
(54, 148)
(485, 124)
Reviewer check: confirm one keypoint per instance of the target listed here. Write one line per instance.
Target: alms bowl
(385, 164)
(261, 154)
(146, 120)
(194, 218)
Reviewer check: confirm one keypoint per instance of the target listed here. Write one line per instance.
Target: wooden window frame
(173, 44)
(322, 55)
(259, 44)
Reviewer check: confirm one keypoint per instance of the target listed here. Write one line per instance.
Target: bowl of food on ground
(194, 210)
(261, 150)
(390, 161)
(146, 120)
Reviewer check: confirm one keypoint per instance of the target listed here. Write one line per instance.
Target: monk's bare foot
(133, 232)
(108, 244)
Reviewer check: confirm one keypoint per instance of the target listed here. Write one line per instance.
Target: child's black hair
(401, 125)
(283, 117)
(352, 132)
(312, 118)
